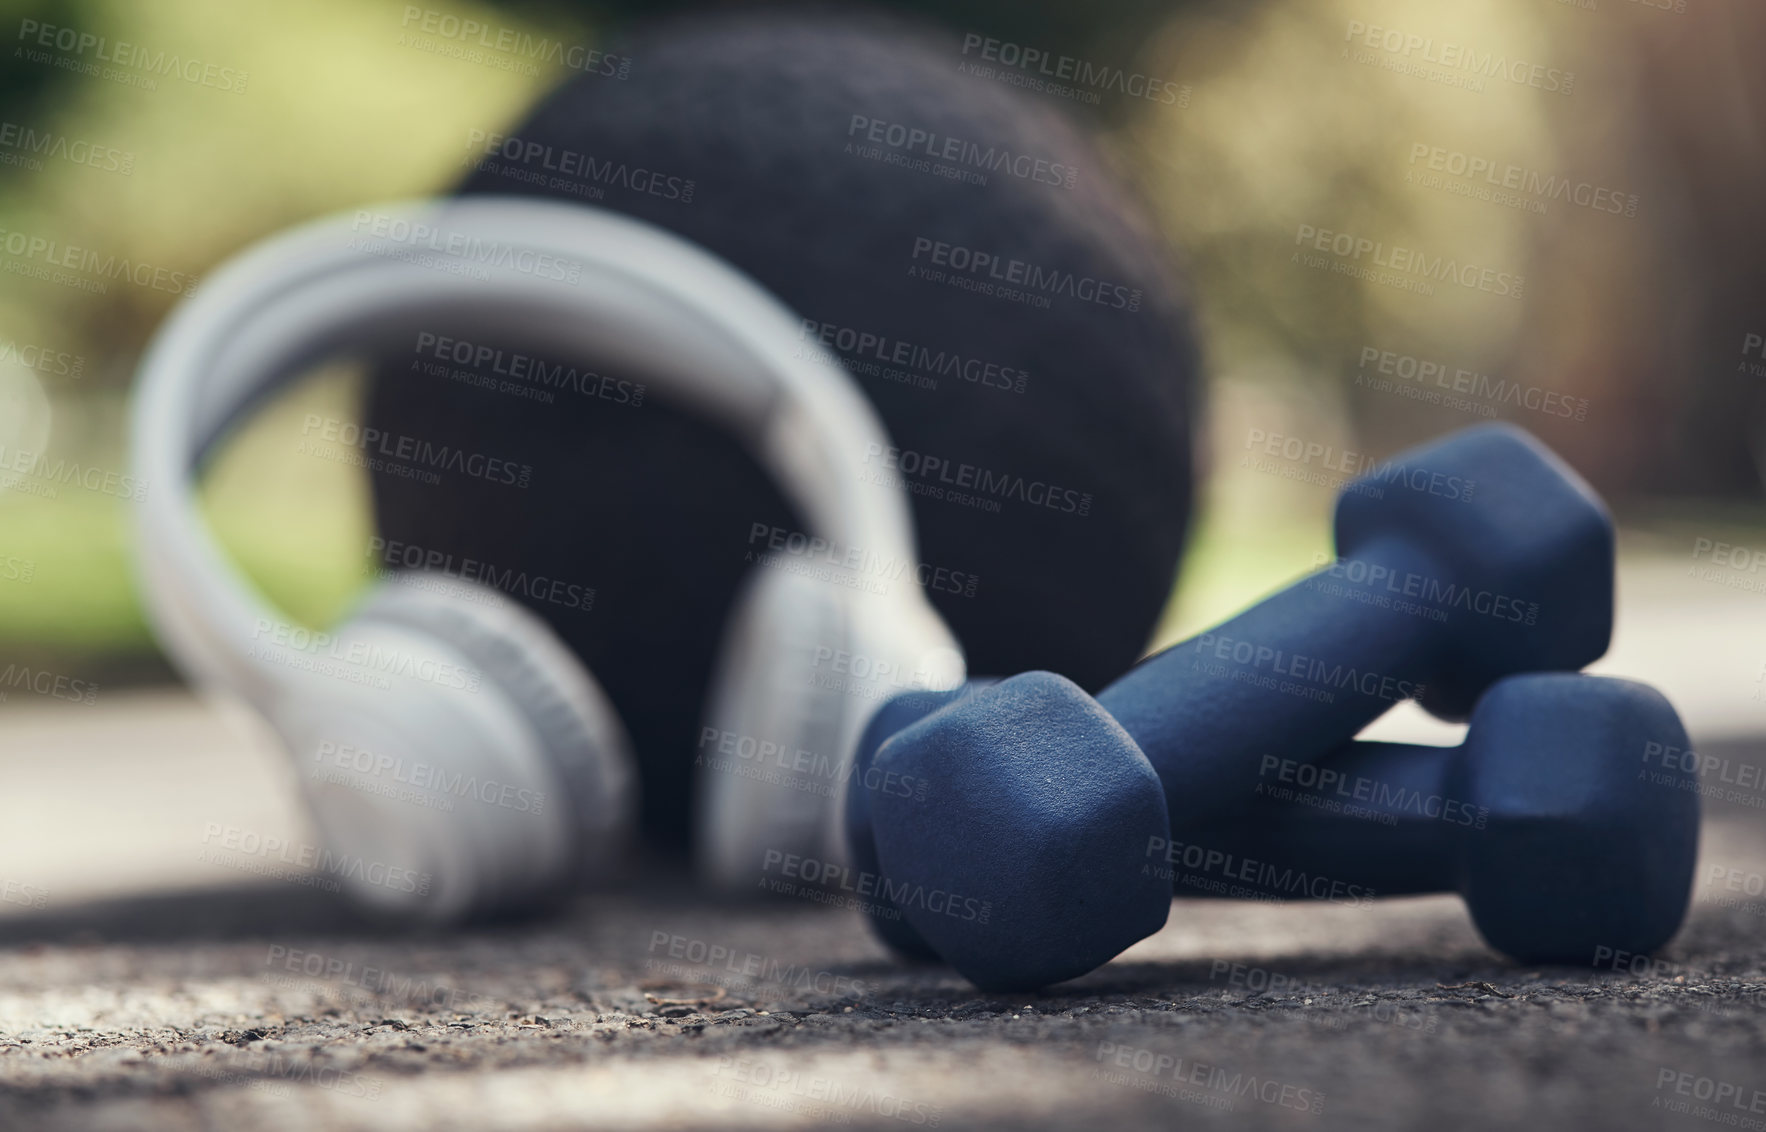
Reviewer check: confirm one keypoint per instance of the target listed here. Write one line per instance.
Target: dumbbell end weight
(1527, 554)
(1028, 867)
(1593, 833)
(867, 781)
(1568, 821)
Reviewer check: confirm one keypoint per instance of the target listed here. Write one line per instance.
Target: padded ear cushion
(770, 754)
(576, 723)
(807, 661)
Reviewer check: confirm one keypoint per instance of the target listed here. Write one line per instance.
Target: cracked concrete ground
(218, 1000)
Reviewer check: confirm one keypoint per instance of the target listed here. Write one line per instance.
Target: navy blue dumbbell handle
(1294, 675)
(1373, 817)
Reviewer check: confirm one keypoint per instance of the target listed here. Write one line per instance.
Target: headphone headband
(571, 280)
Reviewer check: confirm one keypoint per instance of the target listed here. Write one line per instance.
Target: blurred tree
(26, 91)
(1107, 31)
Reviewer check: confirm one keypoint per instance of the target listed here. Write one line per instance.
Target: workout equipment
(1462, 560)
(1552, 820)
(451, 674)
(898, 713)
(1011, 868)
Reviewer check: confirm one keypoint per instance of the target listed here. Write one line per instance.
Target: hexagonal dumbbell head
(867, 780)
(1504, 539)
(1587, 845)
(1567, 821)
(1022, 864)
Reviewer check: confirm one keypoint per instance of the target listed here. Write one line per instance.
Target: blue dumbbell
(1095, 802)
(896, 713)
(1550, 820)
(1459, 562)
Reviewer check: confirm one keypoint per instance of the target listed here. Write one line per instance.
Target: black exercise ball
(1040, 393)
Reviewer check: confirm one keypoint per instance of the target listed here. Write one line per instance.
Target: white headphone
(454, 678)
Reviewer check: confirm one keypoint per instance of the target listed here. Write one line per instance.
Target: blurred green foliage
(337, 111)
(342, 107)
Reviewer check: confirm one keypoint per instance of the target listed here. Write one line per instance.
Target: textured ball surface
(1025, 864)
(1047, 447)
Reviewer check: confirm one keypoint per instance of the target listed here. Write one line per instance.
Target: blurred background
(1614, 191)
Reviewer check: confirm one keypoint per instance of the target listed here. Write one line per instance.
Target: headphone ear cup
(581, 738)
(406, 752)
(807, 660)
(770, 755)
